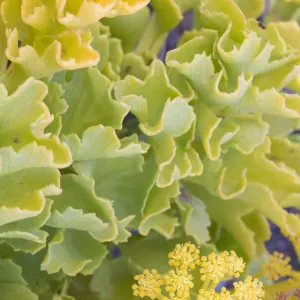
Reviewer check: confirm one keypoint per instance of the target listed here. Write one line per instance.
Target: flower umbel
(250, 289)
(178, 284)
(278, 266)
(234, 265)
(185, 257)
(216, 266)
(148, 284)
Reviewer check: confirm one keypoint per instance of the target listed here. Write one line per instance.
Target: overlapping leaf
(255, 174)
(123, 176)
(110, 49)
(54, 16)
(53, 34)
(13, 286)
(47, 55)
(128, 29)
(28, 172)
(78, 208)
(65, 252)
(249, 229)
(237, 71)
(167, 118)
(24, 117)
(194, 218)
(88, 95)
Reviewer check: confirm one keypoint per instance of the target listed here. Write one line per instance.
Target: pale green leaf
(194, 218)
(114, 278)
(251, 9)
(232, 215)
(24, 117)
(78, 207)
(128, 28)
(12, 284)
(65, 252)
(88, 96)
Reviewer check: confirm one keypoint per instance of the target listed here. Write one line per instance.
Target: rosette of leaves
(119, 167)
(211, 140)
(219, 108)
(238, 71)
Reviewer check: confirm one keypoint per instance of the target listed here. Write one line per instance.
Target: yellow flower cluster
(213, 268)
(178, 284)
(250, 289)
(278, 266)
(185, 257)
(149, 284)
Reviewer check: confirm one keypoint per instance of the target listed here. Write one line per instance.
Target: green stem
(205, 285)
(258, 274)
(212, 285)
(64, 290)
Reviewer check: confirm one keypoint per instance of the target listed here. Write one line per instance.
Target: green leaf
(151, 252)
(167, 118)
(26, 178)
(251, 9)
(10, 272)
(78, 207)
(88, 96)
(65, 252)
(206, 81)
(218, 15)
(47, 55)
(257, 179)
(56, 297)
(12, 284)
(114, 278)
(128, 28)
(11, 291)
(57, 107)
(237, 218)
(175, 157)
(116, 167)
(157, 203)
(123, 176)
(39, 282)
(24, 118)
(110, 50)
(26, 235)
(194, 218)
(134, 64)
(148, 100)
